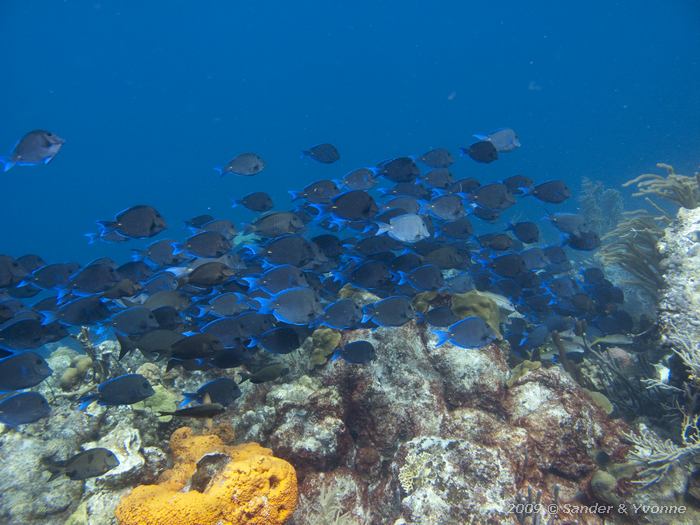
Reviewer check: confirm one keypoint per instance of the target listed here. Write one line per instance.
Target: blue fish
(23, 408)
(126, 389)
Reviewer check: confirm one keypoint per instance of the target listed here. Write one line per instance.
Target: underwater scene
(350, 263)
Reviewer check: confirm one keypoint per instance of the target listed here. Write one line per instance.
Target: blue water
(151, 95)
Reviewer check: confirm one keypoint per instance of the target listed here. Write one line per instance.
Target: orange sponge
(252, 488)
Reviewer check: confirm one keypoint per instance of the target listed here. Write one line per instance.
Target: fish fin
(403, 278)
(49, 317)
(126, 346)
(252, 343)
(294, 195)
(87, 400)
(335, 355)
(265, 305)
(189, 397)
(7, 164)
(235, 203)
(92, 237)
(442, 336)
(219, 170)
(382, 227)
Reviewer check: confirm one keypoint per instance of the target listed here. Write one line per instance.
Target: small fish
(458, 229)
(210, 244)
(424, 278)
(405, 228)
(504, 139)
(353, 205)
(344, 314)
(298, 306)
(206, 411)
(23, 370)
(22, 408)
(508, 265)
(86, 464)
(277, 223)
(437, 158)
(36, 147)
(584, 240)
(493, 196)
(392, 311)
(324, 153)
(526, 232)
(496, 241)
(268, 373)
(246, 164)
(257, 201)
(441, 316)
(448, 207)
(357, 352)
(360, 179)
(482, 151)
(571, 223)
(210, 274)
(400, 169)
(613, 339)
(518, 184)
(470, 332)
(278, 340)
(138, 222)
(277, 279)
(553, 191)
(318, 192)
(126, 389)
(222, 390)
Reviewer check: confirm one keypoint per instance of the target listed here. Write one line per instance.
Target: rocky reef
(421, 435)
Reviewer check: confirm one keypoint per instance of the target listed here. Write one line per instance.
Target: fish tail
(87, 400)
(7, 164)
(219, 170)
(442, 336)
(294, 194)
(382, 228)
(265, 305)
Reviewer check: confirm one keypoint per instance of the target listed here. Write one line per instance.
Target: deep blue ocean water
(150, 96)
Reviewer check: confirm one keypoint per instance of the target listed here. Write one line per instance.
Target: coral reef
(682, 190)
(600, 206)
(211, 483)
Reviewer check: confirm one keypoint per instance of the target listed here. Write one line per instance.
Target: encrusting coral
(212, 483)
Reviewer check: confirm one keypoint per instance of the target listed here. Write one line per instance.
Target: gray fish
(226, 305)
(138, 222)
(222, 226)
(357, 352)
(439, 178)
(354, 205)
(360, 179)
(175, 298)
(571, 223)
(324, 153)
(344, 314)
(458, 229)
(206, 244)
(396, 310)
(199, 221)
(206, 411)
(553, 191)
(210, 274)
(298, 306)
(51, 275)
(493, 196)
(470, 332)
(426, 277)
(400, 169)
(289, 249)
(508, 265)
(526, 231)
(30, 262)
(447, 207)
(11, 272)
(23, 370)
(22, 408)
(134, 321)
(126, 389)
(36, 147)
(504, 139)
(404, 203)
(268, 373)
(441, 316)
(277, 279)
(155, 343)
(405, 228)
(247, 164)
(584, 240)
(371, 275)
(82, 311)
(278, 340)
(86, 464)
(257, 201)
(196, 346)
(321, 191)
(482, 151)
(231, 331)
(96, 277)
(222, 390)
(437, 158)
(277, 223)
(162, 253)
